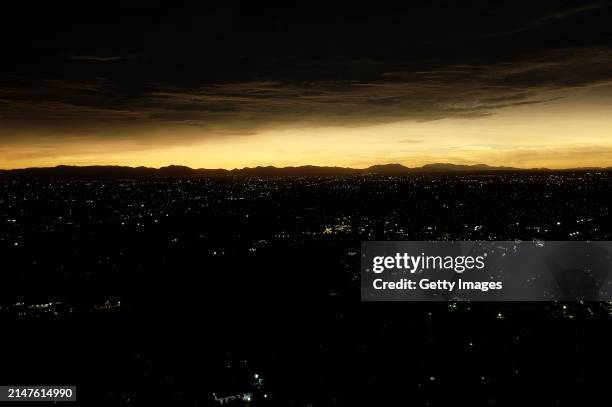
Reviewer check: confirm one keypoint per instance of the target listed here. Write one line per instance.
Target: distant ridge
(179, 171)
(442, 167)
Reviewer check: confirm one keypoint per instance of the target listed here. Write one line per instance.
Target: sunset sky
(511, 83)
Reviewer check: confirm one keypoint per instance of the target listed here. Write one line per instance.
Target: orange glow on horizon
(554, 135)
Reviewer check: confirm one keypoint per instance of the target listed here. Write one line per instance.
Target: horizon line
(424, 166)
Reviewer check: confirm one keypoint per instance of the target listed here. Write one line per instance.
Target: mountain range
(111, 171)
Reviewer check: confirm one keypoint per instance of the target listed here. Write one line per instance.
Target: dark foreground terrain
(169, 290)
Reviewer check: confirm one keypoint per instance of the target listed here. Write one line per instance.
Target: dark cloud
(236, 69)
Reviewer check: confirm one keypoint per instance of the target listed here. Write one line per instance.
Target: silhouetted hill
(443, 167)
(179, 171)
(388, 169)
(301, 171)
(94, 171)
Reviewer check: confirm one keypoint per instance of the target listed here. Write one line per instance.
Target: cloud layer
(176, 75)
(466, 91)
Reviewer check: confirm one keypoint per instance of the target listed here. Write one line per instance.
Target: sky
(519, 83)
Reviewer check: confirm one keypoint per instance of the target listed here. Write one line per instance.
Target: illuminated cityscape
(295, 204)
(228, 277)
